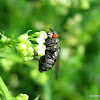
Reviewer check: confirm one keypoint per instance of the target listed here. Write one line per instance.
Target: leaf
(12, 36)
(14, 48)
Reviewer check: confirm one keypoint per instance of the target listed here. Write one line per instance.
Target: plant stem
(4, 90)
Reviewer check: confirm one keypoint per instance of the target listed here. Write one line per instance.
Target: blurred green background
(78, 25)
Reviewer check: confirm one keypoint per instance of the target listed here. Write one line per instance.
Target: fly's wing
(57, 66)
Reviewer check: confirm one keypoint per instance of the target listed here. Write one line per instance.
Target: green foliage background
(78, 25)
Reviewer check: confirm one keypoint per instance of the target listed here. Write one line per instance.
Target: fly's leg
(39, 61)
(44, 64)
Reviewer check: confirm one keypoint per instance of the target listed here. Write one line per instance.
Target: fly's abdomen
(50, 63)
(46, 63)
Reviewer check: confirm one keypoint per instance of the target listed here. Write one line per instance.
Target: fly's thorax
(52, 45)
(51, 41)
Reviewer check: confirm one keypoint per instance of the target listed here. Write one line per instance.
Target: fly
(51, 56)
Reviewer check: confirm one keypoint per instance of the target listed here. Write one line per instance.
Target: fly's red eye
(55, 36)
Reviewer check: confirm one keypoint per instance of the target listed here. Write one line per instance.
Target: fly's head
(52, 34)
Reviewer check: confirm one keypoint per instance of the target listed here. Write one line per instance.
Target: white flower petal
(40, 40)
(41, 49)
(43, 35)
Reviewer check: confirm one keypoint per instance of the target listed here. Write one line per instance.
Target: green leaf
(12, 36)
(14, 49)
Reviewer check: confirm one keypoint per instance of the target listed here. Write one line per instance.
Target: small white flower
(40, 40)
(43, 35)
(41, 49)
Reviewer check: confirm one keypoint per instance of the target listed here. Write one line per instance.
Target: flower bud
(26, 58)
(21, 46)
(30, 50)
(3, 39)
(30, 58)
(8, 40)
(35, 47)
(22, 97)
(23, 38)
(37, 34)
(28, 43)
(24, 52)
(18, 98)
(25, 96)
